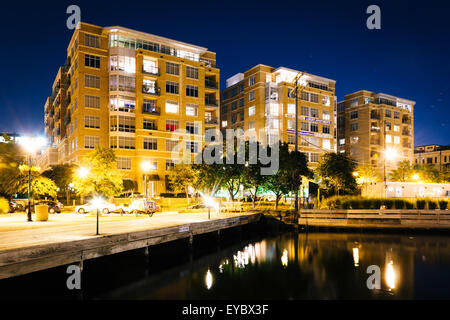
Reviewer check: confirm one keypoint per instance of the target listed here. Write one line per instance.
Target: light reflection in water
(390, 275)
(208, 279)
(284, 258)
(356, 256)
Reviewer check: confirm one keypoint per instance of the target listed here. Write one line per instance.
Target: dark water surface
(272, 266)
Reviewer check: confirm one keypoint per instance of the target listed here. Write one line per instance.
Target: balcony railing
(151, 110)
(211, 84)
(156, 91)
(211, 102)
(151, 70)
(212, 120)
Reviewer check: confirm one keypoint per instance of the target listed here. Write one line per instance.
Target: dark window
(91, 61)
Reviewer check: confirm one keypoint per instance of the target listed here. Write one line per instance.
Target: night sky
(408, 57)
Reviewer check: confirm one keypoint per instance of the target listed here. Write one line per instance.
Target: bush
(4, 205)
(399, 203)
(388, 203)
(432, 205)
(420, 204)
(443, 204)
(376, 203)
(355, 204)
(409, 205)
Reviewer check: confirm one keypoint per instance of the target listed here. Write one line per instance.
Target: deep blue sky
(408, 57)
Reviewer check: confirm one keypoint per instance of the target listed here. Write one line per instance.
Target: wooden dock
(27, 247)
(376, 219)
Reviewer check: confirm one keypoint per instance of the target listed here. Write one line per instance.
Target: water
(280, 266)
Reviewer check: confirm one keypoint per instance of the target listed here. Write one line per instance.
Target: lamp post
(146, 168)
(30, 145)
(97, 202)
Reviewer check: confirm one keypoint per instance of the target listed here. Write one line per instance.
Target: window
(241, 87)
(122, 124)
(91, 41)
(149, 86)
(291, 108)
(150, 143)
(251, 81)
(92, 102)
(326, 100)
(91, 81)
(171, 107)
(172, 68)
(291, 139)
(241, 102)
(123, 163)
(233, 91)
(326, 129)
(313, 157)
(191, 109)
(314, 112)
(172, 87)
(304, 111)
(224, 123)
(191, 72)
(341, 142)
(326, 144)
(192, 146)
(233, 118)
(326, 115)
(314, 127)
(191, 127)
(122, 63)
(314, 97)
(387, 113)
(251, 111)
(388, 126)
(354, 114)
(354, 102)
(149, 124)
(354, 140)
(291, 124)
(149, 106)
(242, 115)
(92, 122)
(191, 91)
(150, 66)
(272, 109)
(122, 83)
(124, 104)
(396, 128)
(169, 164)
(396, 115)
(396, 139)
(251, 125)
(354, 126)
(251, 95)
(304, 126)
(171, 145)
(122, 142)
(388, 138)
(172, 125)
(91, 142)
(91, 61)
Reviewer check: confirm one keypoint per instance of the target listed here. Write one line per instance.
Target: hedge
(355, 202)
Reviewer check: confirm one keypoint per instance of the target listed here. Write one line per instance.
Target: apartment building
(435, 155)
(261, 102)
(131, 91)
(371, 123)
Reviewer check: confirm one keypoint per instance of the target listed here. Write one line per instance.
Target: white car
(104, 207)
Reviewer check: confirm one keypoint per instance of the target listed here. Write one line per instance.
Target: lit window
(326, 144)
(291, 108)
(388, 138)
(171, 107)
(396, 139)
(251, 111)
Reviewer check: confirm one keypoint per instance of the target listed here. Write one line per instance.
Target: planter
(41, 212)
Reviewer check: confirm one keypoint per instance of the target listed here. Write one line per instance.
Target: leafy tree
(181, 177)
(103, 178)
(367, 173)
(336, 172)
(403, 173)
(62, 175)
(427, 173)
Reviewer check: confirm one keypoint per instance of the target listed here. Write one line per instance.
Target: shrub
(346, 205)
(409, 205)
(376, 203)
(432, 205)
(420, 204)
(443, 204)
(399, 203)
(4, 205)
(388, 203)
(354, 204)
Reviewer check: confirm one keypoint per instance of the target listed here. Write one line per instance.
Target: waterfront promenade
(71, 238)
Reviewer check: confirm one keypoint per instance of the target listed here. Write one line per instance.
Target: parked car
(104, 207)
(140, 206)
(14, 206)
(53, 206)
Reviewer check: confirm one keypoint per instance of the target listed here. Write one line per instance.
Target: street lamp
(83, 172)
(146, 168)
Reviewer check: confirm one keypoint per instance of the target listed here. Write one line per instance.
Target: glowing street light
(355, 173)
(146, 166)
(83, 172)
(415, 176)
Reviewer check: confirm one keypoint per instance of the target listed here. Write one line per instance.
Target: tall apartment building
(435, 155)
(260, 101)
(130, 91)
(370, 123)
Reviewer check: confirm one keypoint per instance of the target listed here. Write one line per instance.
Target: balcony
(151, 110)
(406, 120)
(211, 102)
(155, 91)
(211, 84)
(211, 120)
(67, 82)
(154, 71)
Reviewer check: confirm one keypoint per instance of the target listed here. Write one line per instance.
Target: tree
(103, 178)
(181, 177)
(403, 173)
(336, 172)
(367, 173)
(427, 173)
(62, 175)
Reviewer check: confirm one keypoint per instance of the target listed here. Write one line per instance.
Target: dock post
(191, 247)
